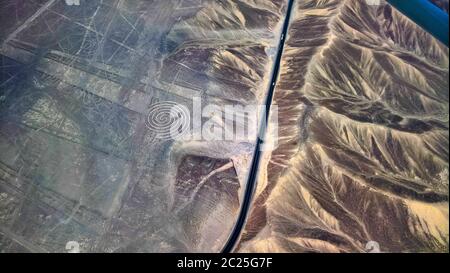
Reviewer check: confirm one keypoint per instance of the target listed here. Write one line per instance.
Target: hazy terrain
(79, 164)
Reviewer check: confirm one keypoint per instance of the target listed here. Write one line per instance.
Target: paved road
(251, 183)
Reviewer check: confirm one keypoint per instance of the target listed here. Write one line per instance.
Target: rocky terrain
(362, 160)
